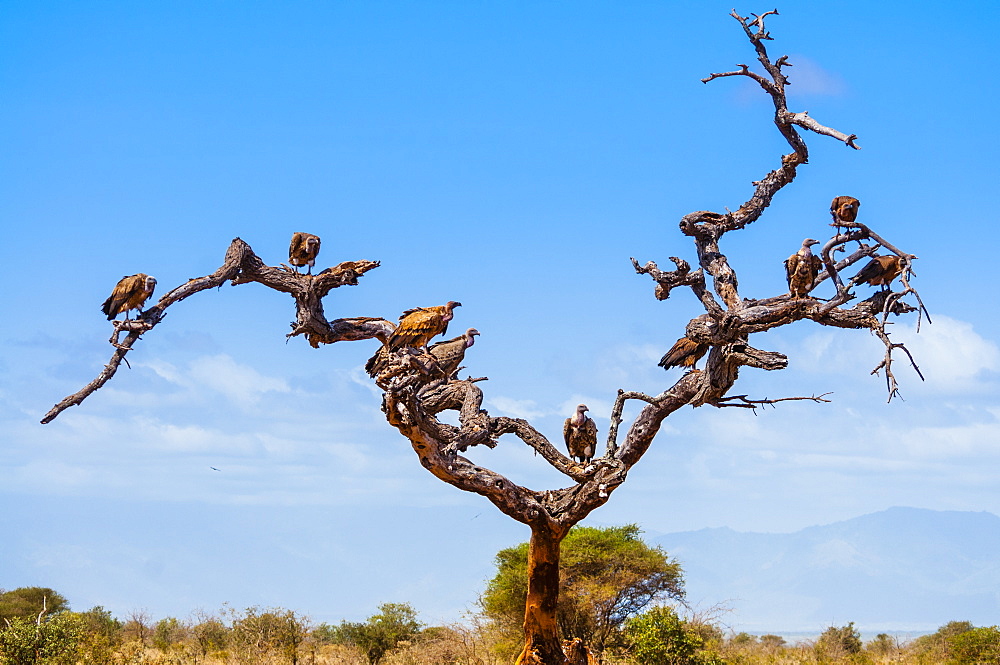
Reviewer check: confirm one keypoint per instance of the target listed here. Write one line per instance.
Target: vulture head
(470, 337)
(579, 416)
(149, 284)
(448, 315)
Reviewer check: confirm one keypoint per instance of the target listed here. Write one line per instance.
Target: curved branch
(241, 266)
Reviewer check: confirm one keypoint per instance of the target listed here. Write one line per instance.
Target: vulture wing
(880, 271)
(377, 362)
(417, 326)
(684, 353)
(449, 354)
(581, 442)
(801, 273)
(791, 265)
(129, 293)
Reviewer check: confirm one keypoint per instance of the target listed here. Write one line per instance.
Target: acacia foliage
(382, 632)
(28, 602)
(606, 576)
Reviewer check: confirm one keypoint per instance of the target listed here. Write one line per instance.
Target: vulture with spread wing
(580, 434)
(880, 271)
(684, 353)
(416, 327)
(844, 209)
(449, 354)
(303, 250)
(801, 269)
(131, 292)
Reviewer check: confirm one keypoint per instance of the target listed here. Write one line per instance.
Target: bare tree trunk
(541, 631)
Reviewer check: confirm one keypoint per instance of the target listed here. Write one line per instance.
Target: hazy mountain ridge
(899, 569)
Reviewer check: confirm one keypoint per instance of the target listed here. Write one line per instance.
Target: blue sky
(511, 156)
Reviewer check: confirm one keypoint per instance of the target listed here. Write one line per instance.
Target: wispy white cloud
(240, 383)
(808, 77)
(951, 355)
(518, 408)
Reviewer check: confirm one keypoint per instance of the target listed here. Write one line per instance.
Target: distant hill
(902, 569)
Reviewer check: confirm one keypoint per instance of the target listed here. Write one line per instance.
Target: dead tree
(415, 394)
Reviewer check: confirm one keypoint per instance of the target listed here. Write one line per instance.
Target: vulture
(130, 292)
(880, 271)
(303, 250)
(416, 327)
(580, 433)
(801, 269)
(844, 209)
(450, 353)
(684, 353)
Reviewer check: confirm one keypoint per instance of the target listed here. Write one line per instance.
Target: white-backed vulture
(880, 271)
(684, 353)
(844, 209)
(131, 292)
(303, 250)
(416, 327)
(801, 269)
(450, 353)
(580, 434)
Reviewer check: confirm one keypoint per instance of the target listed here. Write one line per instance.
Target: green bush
(660, 637)
(979, 646)
(51, 641)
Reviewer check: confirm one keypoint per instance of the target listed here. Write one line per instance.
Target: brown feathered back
(131, 292)
(684, 353)
(418, 325)
(450, 353)
(880, 271)
(844, 208)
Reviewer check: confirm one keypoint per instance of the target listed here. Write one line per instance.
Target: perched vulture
(303, 250)
(418, 325)
(129, 293)
(684, 353)
(580, 434)
(450, 353)
(801, 269)
(880, 271)
(844, 209)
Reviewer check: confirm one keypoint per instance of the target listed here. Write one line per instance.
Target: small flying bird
(449, 354)
(844, 209)
(303, 250)
(684, 353)
(130, 292)
(580, 434)
(880, 271)
(801, 269)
